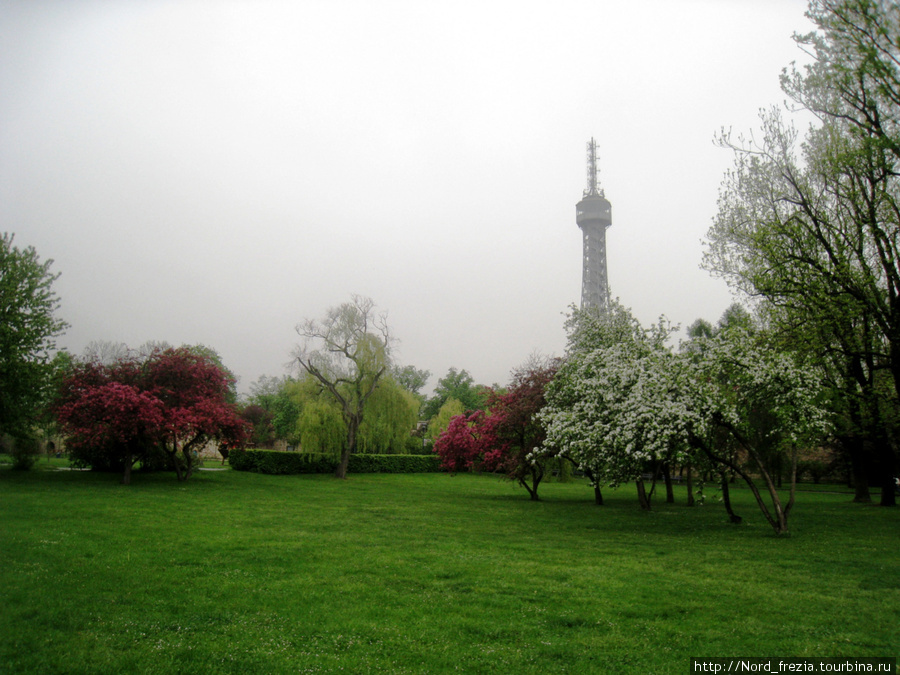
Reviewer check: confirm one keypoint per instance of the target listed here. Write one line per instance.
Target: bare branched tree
(105, 352)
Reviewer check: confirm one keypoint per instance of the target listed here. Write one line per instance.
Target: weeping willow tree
(347, 352)
(391, 415)
(317, 424)
(321, 427)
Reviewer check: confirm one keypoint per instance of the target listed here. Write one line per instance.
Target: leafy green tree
(265, 391)
(410, 378)
(260, 421)
(701, 328)
(347, 352)
(460, 385)
(312, 420)
(811, 227)
(265, 407)
(28, 328)
(287, 405)
(854, 76)
(439, 423)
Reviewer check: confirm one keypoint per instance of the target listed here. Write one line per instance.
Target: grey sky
(214, 172)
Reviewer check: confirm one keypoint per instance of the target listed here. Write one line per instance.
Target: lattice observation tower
(593, 214)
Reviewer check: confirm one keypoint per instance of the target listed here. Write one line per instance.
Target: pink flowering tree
(168, 403)
(501, 438)
(459, 446)
(110, 425)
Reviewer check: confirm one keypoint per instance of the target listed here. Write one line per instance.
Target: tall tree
(814, 228)
(854, 76)
(347, 352)
(28, 328)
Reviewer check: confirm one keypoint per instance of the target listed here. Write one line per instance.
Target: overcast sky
(215, 172)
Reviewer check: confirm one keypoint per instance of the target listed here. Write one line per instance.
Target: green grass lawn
(243, 573)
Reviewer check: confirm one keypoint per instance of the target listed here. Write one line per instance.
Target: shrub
(417, 445)
(24, 452)
(241, 460)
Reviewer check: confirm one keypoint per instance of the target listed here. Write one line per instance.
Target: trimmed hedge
(394, 464)
(278, 462)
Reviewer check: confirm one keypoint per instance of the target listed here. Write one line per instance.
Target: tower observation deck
(593, 216)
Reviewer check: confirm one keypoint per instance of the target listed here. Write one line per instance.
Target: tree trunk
(341, 469)
(667, 476)
(690, 485)
(726, 499)
(779, 521)
(187, 453)
(643, 500)
(536, 473)
(887, 469)
(598, 496)
(173, 454)
(860, 480)
(352, 428)
(793, 476)
(532, 491)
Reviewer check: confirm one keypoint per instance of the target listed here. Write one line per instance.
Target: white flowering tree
(730, 382)
(609, 408)
(623, 401)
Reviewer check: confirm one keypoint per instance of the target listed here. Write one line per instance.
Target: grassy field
(242, 573)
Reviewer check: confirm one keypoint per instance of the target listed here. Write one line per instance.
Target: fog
(215, 172)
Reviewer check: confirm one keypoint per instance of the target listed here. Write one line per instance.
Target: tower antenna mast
(593, 171)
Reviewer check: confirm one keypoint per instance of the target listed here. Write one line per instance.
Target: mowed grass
(236, 572)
